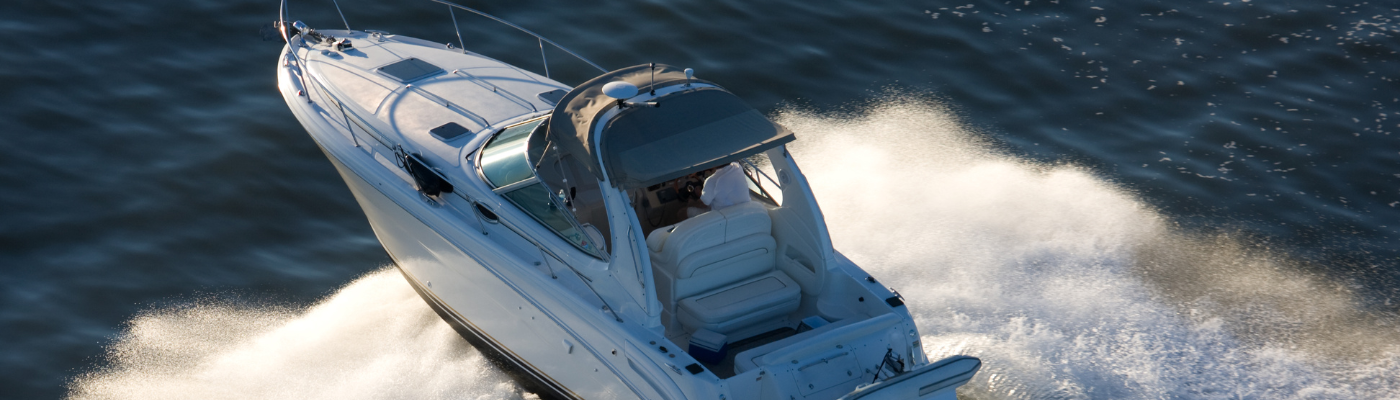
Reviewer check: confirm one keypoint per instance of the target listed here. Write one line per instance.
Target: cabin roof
(694, 127)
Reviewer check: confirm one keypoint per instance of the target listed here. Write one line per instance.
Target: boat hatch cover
(448, 131)
(552, 97)
(410, 69)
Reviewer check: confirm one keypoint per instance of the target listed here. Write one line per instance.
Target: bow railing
(541, 39)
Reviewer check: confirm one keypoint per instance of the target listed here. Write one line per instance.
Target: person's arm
(707, 192)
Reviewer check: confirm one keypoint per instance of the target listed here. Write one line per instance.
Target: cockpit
(555, 189)
(693, 170)
(671, 202)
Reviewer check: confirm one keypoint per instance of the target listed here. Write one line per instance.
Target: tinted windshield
(503, 159)
(504, 162)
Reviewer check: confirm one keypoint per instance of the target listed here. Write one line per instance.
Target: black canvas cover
(693, 128)
(691, 131)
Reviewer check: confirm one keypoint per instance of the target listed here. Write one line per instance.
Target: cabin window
(536, 200)
(577, 189)
(761, 179)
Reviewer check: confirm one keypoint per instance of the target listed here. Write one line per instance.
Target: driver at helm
(726, 187)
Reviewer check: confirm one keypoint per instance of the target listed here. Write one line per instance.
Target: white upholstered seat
(714, 250)
(740, 305)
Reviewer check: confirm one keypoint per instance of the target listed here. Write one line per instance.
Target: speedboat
(576, 234)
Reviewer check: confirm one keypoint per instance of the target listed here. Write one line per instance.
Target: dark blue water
(1129, 199)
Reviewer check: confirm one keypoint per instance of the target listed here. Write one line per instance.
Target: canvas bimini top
(692, 128)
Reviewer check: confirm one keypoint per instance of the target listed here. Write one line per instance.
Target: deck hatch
(410, 69)
(552, 97)
(448, 131)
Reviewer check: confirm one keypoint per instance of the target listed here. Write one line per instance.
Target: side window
(536, 200)
(760, 172)
(578, 191)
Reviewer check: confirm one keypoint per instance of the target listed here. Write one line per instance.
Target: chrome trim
(765, 174)
(518, 184)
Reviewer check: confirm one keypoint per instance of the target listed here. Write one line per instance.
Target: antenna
(622, 91)
(653, 79)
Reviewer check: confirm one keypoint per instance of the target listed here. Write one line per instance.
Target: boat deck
(725, 369)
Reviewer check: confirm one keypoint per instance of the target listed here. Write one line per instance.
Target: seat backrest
(747, 218)
(674, 243)
(720, 246)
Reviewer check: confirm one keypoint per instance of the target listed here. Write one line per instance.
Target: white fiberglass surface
(1063, 284)
(363, 89)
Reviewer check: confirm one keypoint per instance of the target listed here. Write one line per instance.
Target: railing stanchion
(342, 14)
(347, 123)
(542, 57)
(292, 51)
(517, 27)
(460, 42)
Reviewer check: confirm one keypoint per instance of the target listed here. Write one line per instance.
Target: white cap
(620, 90)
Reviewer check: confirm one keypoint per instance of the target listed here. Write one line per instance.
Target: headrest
(746, 219)
(707, 227)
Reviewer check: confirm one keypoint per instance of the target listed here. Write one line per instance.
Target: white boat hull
(554, 343)
(494, 317)
(554, 328)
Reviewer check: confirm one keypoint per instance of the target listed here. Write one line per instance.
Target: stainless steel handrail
(765, 174)
(457, 29)
(282, 27)
(537, 36)
(342, 14)
(588, 282)
(448, 104)
(497, 90)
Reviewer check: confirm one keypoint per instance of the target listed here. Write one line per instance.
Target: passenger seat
(716, 269)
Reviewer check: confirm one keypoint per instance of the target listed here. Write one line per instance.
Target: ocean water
(1128, 199)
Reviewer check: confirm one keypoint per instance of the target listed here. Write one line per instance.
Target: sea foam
(1067, 285)
(372, 339)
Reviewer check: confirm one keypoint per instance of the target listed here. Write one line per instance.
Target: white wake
(373, 339)
(1066, 285)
